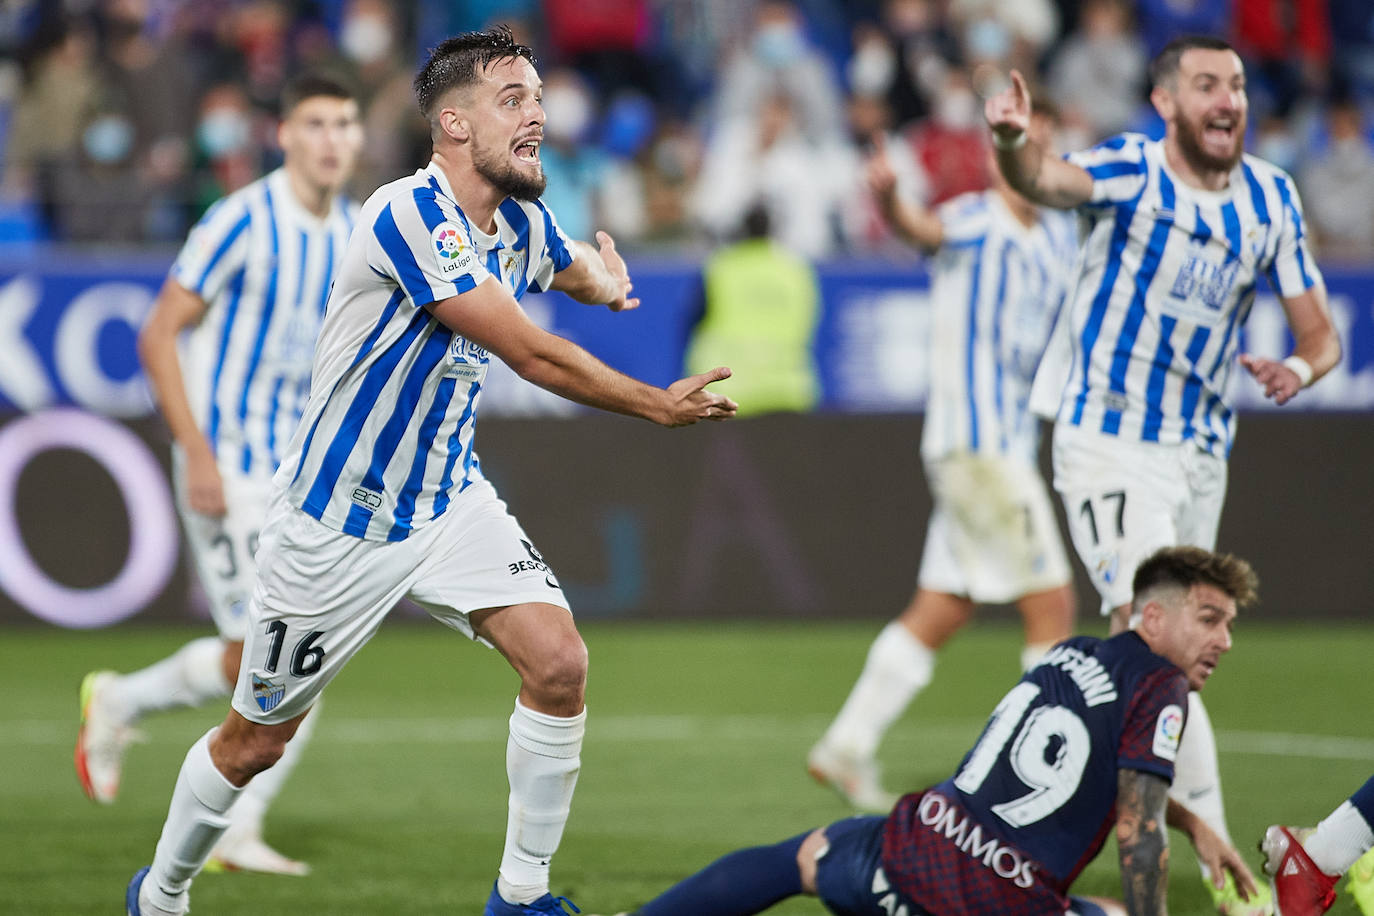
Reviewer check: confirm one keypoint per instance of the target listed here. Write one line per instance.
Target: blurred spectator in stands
(230, 144)
(699, 35)
(902, 57)
(1276, 142)
(574, 168)
(870, 122)
(1338, 186)
(668, 171)
(1005, 33)
(258, 32)
(950, 146)
(49, 115)
(144, 88)
(610, 43)
(1161, 21)
(1286, 46)
(1097, 76)
(1352, 31)
(761, 304)
(770, 158)
(777, 59)
(99, 194)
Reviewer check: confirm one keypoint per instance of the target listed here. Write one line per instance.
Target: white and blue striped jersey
(996, 288)
(386, 442)
(263, 265)
(1166, 276)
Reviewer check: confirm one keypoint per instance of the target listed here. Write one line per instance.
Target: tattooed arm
(1143, 841)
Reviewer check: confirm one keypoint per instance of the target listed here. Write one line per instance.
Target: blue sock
(743, 882)
(1363, 800)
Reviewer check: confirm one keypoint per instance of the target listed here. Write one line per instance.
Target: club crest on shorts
(268, 693)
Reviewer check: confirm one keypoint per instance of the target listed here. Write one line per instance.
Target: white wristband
(1015, 142)
(1301, 368)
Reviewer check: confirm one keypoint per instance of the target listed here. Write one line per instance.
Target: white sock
(1340, 840)
(542, 762)
(195, 820)
(1032, 653)
(191, 676)
(897, 667)
(247, 816)
(1197, 773)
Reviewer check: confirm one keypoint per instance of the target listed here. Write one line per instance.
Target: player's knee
(562, 672)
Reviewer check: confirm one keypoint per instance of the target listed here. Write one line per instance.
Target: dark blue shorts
(849, 880)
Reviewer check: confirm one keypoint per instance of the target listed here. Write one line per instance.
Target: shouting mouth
(527, 150)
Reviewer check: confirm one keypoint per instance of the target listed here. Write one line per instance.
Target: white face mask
(957, 108)
(569, 113)
(872, 68)
(365, 38)
(108, 139)
(222, 131)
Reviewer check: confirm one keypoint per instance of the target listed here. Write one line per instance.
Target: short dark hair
(1164, 67)
(309, 86)
(1184, 567)
(457, 60)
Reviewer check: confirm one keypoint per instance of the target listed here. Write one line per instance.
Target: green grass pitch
(695, 745)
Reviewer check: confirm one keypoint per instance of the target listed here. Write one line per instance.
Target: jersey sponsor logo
(1202, 282)
(887, 898)
(368, 499)
(946, 819)
(267, 692)
(467, 361)
(1168, 731)
(534, 564)
(453, 252)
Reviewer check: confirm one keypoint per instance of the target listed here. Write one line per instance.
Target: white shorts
(992, 534)
(1126, 499)
(222, 548)
(322, 594)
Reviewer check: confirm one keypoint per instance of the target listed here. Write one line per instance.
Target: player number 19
(1052, 781)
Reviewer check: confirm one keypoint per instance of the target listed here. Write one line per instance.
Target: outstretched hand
(1008, 112)
(690, 402)
(1280, 383)
(620, 274)
(1217, 857)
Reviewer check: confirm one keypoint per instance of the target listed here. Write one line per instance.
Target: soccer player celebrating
(1086, 740)
(997, 280)
(251, 282)
(1179, 233)
(1304, 864)
(380, 494)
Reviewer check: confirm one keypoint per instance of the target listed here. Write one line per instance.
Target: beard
(506, 178)
(1190, 144)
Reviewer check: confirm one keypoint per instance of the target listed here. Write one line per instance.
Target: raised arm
(1028, 167)
(175, 309)
(489, 316)
(1316, 348)
(597, 277)
(1142, 841)
(912, 222)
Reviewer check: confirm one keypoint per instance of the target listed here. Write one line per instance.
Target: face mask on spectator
(222, 131)
(957, 109)
(108, 139)
(569, 113)
(778, 44)
(988, 39)
(872, 68)
(365, 38)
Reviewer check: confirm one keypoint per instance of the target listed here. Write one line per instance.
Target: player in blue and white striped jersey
(1179, 233)
(380, 495)
(249, 286)
(997, 280)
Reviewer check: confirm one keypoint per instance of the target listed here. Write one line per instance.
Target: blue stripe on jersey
(411, 277)
(429, 428)
(238, 229)
(1287, 198)
(1135, 315)
(1202, 232)
(346, 437)
(441, 498)
(1159, 370)
(1113, 170)
(272, 421)
(1117, 142)
(231, 310)
(1088, 339)
(975, 285)
(434, 349)
(1257, 199)
(299, 303)
(327, 283)
(518, 221)
(269, 304)
(553, 242)
(997, 306)
(1192, 385)
(1230, 220)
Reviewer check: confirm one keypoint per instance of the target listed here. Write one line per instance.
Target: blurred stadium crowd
(668, 120)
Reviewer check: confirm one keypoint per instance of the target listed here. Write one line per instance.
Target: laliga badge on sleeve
(1168, 731)
(453, 252)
